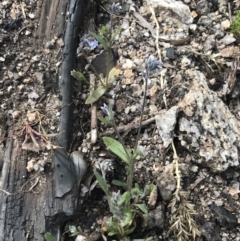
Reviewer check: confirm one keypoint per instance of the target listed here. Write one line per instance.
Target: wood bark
(30, 204)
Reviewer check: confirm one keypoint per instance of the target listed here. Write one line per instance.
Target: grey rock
(228, 39)
(155, 218)
(166, 123)
(177, 7)
(210, 231)
(203, 7)
(166, 184)
(209, 43)
(224, 217)
(207, 128)
(100, 62)
(170, 53)
(206, 21)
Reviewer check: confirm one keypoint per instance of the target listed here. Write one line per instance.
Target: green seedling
(106, 39)
(126, 208)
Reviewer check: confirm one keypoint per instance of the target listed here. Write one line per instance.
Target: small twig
(159, 52)
(34, 184)
(202, 176)
(28, 233)
(93, 69)
(118, 16)
(129, 127)
(23, 11)
(8, 193)
(176, 169)
(141, 118)
(229, 11)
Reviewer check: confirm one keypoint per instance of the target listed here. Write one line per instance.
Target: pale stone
(225, 24)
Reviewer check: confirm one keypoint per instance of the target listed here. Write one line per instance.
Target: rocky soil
(193, 103)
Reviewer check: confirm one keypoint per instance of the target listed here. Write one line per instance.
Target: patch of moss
(235, 27)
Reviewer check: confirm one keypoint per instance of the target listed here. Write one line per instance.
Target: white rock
(16, 114)
(177, 7)
(193, 27)
(33, 95)
(30, 165)
(125, 24)
(81, 238)
(133, 108)
(146, 34)
(166, 123)
(225, 24)
(36, 58)
(128, 64)
(228, 39)
(31, 15)
(185, 62)
(127, 110)
(27, 32)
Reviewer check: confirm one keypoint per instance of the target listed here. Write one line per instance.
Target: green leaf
(97, 93)
(119, 183)
(147, 239)
(136, 192)
(113, 74)
(148, 189)
(49, 237)
(104, 30)
(77, 75)
(117, 148)
(125, 197)
(130, 229)
(101, 182)
(114, 35)
(128, 217)
(111, 233)
(106, 121)
(142, 207)
(137, 153)
(100, 40)
(72, 229)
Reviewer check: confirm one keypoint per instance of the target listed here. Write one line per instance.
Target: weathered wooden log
(32, 204)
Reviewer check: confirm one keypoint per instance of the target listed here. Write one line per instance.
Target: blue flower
(115, 8)
(87, 41)
(92, 43)
(105, 110)
(152, 66)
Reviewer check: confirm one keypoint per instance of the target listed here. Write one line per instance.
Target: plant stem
(132, 162)
(93, 69)
(108, 64)
(176, 168)
(109, 49)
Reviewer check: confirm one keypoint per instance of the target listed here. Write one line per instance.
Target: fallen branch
(129, 127)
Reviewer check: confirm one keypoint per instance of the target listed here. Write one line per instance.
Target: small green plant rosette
(235, 26)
